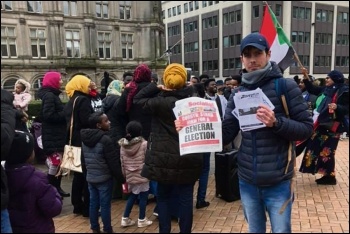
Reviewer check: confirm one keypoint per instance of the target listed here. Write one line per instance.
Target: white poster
(202, 126)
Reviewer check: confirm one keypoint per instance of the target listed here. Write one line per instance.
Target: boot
(327, 180)
(56, 182)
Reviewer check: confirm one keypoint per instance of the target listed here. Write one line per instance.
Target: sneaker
(96, 230)
(126, 222)
(202, 204)
(327, 180)
(144, 222)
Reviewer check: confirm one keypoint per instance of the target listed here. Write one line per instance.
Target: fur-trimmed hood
(25, 83)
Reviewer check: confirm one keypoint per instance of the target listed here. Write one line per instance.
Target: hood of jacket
(108, 102)
(25, 83)
(43, 90)
(90, 137)
(19, 175)
(131, 147)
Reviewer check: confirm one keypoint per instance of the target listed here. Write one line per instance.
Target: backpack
(281, 88)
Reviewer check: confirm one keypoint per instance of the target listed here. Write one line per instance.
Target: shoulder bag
(72, 154)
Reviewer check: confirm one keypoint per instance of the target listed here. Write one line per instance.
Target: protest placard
(202, 125)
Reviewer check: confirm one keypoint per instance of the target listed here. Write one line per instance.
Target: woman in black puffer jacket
(163, 162)
(53, 133)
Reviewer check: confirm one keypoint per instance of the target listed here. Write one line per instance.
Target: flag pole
(295, 53)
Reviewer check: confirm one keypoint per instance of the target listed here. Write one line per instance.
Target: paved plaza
(316, 209)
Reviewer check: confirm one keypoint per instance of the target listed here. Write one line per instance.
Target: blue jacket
(101, 157)
(263, 154)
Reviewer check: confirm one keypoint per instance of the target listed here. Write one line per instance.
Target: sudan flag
(281, 49)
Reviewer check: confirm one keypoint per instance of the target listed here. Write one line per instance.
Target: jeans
(143, 197)
(5, 222)
(203, 179)
(100, 196)
(257, 200)
(184, 205)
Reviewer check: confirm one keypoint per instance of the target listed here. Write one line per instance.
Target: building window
(38, 42)
(226, 42)
(34, 6)
(255, 11)
(9, 84)
(238, 63)
(232, 17)
(215, 43)
(191, 6)
(238, 16)
(125, 10)
(179, 9)
(73, 44)
(70, 8)
(278, 11)
(8, 42)
(225, 63)
(225, 20)
(186, 7)
(342, 61)
(324, 16)
(174, 11)
(204, 4)
(36, 85)
(231, 63)
(343, 17)
(102, 9)
(169, 12)
(104, 45)
(196, 5)
(6, 5)
(127, 43)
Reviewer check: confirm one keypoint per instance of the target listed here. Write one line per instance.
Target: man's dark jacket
(263, 154)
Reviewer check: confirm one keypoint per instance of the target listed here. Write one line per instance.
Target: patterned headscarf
(78, 83)
(141, 74)
(115, 88)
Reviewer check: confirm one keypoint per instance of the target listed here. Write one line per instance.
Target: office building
(205, 36)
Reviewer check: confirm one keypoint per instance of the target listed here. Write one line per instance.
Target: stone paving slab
(316, 208)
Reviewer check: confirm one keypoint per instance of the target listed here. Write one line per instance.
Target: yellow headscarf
(175, 76)
(78, 83)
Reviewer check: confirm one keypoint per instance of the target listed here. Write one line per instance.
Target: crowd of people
(131, 136)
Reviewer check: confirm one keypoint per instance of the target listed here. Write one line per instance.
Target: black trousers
(80, 195)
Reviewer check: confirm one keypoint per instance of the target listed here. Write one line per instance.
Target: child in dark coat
(102, 164)
(33, 201)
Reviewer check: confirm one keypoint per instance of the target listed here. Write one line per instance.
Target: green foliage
(34, 108)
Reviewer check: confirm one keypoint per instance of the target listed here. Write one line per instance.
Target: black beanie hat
(336, 76)
(21, 149)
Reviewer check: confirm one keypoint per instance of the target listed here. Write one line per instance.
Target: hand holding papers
(247, 103)
(202, 125)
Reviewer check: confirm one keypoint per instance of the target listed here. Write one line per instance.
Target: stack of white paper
(247, 103)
